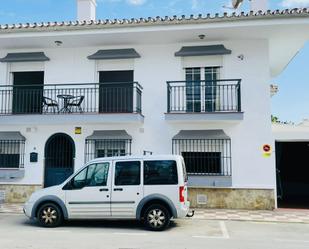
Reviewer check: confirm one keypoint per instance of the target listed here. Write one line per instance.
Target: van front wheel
(50, 215)
(157, 218)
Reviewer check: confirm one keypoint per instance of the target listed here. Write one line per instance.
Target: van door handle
(103, 189)
(118, 189)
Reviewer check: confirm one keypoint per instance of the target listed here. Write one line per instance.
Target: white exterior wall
(156, 66)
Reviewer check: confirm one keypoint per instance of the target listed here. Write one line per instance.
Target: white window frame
(202, 78)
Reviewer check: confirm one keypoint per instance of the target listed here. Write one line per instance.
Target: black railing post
(239, 96)
(138, 98)
(168, 97)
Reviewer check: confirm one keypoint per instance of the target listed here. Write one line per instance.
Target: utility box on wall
(33, 157)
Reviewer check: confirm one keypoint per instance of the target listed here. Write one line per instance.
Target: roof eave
(158, 21)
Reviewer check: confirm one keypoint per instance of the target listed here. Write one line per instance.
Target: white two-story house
(197, 86)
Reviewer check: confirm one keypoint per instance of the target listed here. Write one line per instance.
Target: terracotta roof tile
(167, 20)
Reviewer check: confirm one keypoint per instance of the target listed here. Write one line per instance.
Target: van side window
(78, 181)
(160, 173)
(91, 176)
(127, 173)
(97, 175)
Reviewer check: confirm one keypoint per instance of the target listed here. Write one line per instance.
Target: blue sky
(290, 104)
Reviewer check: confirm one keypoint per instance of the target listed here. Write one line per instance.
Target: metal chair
(76, 102)
(50, 103)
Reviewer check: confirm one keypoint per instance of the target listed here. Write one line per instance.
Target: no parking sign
(267, 150)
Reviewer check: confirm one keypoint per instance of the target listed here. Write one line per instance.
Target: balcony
(204, 101)
(107, 102)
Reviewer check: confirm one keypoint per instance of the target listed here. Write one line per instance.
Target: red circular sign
(267, 148)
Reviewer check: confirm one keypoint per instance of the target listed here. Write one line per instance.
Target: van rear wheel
(157, 218)
(50, 215)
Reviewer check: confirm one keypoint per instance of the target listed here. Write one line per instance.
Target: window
(110, 148)
(97, 175)
(96, 148)
(205, 156)
(116, 97)
(92, 176)
(110, 152)
(160, 173)
(12, 154)
(201, 89)
(127, 173)
(27, 92)
(203, 162)
(193, 89)
(211, 77)
(78, 181)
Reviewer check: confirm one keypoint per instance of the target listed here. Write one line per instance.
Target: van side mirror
(73, 184)
(68, 185)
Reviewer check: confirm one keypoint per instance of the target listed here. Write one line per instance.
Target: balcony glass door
(193, 89)
(201, 89)
(27, 92)
(116, 92)
(211, 77)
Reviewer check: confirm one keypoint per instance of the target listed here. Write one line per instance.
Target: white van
(148, 188)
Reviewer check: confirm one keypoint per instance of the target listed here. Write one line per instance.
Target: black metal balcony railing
(204, 96)
(117, 97)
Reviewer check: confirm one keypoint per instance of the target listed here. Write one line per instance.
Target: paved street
(278, 215)
(16, 231)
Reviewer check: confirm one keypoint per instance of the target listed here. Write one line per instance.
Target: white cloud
(295, 3)
(136, 2)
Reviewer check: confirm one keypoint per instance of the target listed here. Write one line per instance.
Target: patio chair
(50, 103)
(76, 102)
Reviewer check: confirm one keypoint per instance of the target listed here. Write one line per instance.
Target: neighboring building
(292, 160)
(196, 86)
(274, 89)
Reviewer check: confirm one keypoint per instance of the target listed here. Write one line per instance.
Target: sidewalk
(11, 208)
(279, 215)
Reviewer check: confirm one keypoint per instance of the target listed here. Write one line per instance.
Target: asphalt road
(18, 232)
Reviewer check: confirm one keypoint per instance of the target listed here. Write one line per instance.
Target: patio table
(66, 98)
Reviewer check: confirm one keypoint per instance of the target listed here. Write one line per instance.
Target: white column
(257, 5)
(86, 10)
